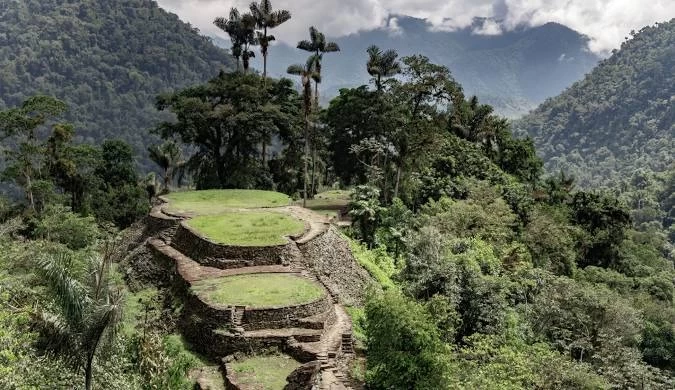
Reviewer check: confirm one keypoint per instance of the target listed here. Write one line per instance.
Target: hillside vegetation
(619, 119)
(107, 60)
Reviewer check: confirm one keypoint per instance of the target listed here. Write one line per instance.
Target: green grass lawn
(254, 228)
(217, 201)
(334, 195)
(328, 200)
(264, 372)
(259, 290)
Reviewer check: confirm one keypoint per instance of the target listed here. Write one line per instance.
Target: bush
(377, 262)
(60, 225)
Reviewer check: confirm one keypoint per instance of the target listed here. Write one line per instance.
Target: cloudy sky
(606, 22)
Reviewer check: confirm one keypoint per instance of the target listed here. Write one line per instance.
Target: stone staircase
(347, 343)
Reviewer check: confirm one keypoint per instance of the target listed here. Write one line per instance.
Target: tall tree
(21, 126)
(231, 27)
(423, 97)
(241, 29)
(89, 308)
(382, 64)
(317, 44)
(168, 157)
(267, 18)
(223, 121)
(306, 73)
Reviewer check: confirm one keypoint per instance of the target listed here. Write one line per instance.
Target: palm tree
(241, 29)
(267, 18)
(89, 307)
(317, 45)
(382, 64)
(306, 73)
(231, 27)
(168, 157)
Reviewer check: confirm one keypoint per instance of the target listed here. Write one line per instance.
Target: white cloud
(606, 22)
(489, 27)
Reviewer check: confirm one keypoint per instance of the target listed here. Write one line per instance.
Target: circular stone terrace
(259, 290)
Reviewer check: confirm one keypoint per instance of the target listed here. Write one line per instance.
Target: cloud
(488, 27)
(606, 22)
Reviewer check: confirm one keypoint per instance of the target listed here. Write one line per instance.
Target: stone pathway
(331, 376)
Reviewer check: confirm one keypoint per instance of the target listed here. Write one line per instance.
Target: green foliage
(365, 209)
(61, 225)
(106, 60)
(118, 198)
(404, 348)
(224, 120)
(498, 362)
(376, 261)
(358, 317)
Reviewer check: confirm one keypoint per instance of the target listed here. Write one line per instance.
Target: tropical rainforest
(488, 271)
(106, 60)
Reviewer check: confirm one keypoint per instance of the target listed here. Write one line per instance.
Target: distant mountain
(514, 71)
(107, 59)
(620, 118)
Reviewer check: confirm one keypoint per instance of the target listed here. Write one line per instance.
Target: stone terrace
(317, 333)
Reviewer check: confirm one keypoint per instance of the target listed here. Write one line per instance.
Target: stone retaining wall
(253, 316)
(329, 256)
(221, 256)
(156, 222)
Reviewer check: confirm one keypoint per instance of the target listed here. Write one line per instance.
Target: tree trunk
(264, 153)
(398, 180)
(316, 96)
(313, 171)
(264, 53)
(306, 157)
(29, 192)
(88, 372)
(386, 177)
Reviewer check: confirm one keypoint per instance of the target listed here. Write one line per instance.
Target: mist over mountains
(514, 71)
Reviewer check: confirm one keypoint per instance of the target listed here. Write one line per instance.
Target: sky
(606, 22)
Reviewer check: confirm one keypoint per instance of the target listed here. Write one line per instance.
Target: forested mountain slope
(107, 59)
(513, 71)
(618, 119)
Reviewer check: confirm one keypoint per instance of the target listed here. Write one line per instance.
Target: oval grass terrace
(247, 228)
(260, 290)
(208, 202)
(266, 372)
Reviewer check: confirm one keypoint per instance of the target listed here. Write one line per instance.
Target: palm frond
(305, 45)
(69, 294)
(279, 17)
(314, 35)
(221, 23)
(331, 47)
(295, 69)
(102, 324)
(56, 335)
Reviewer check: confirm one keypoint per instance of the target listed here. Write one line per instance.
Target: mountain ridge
(498, 68)
(619, 118)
